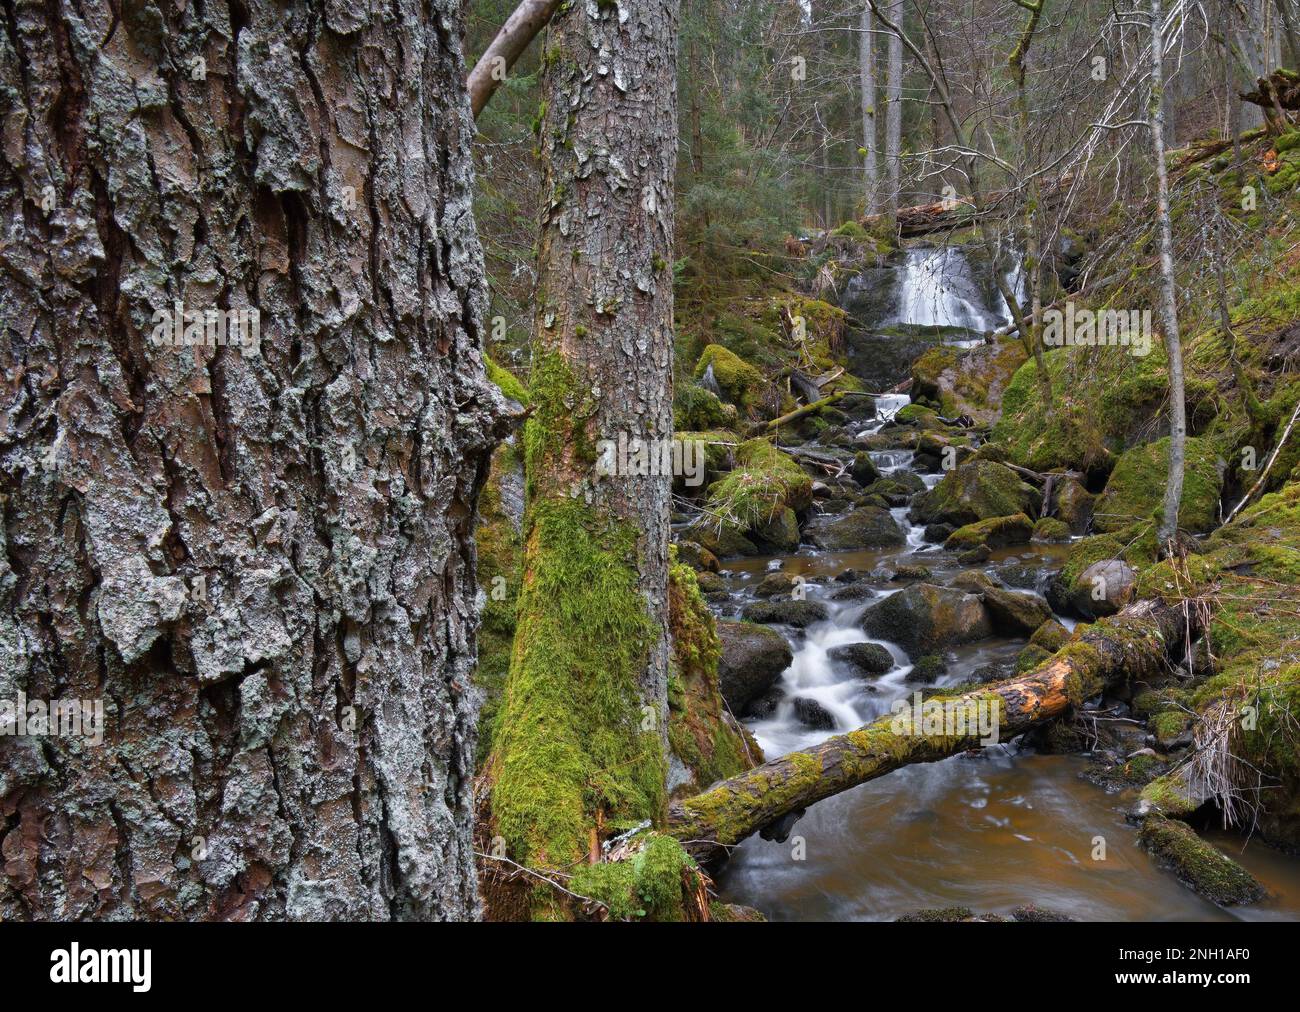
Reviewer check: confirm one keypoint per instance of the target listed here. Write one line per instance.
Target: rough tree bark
(1129, 645)
(580, 746)
(260, 560)
(1168, 285)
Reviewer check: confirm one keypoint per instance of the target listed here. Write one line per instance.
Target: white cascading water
(939, 290)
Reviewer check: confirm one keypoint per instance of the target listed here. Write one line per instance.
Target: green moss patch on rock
(1135, 490)
(995, 532)
(974, 491)
(741, 383)
(1198, 864)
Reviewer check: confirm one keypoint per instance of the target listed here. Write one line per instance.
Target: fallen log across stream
(1133, 644)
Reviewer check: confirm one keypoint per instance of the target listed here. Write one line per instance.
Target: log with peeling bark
(1132, 644)
(921, 219)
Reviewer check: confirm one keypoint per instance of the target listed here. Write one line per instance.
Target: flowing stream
(989, 830)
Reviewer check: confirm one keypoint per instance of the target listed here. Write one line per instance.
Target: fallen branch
(797, 413)
(1267, 467)
(529, 18)
(1131, 645)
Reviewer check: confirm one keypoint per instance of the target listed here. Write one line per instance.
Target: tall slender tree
(1168, 284)
(245, 424)
(894, 111)
(867, 87)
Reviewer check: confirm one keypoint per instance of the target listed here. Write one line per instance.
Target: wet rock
(1103, 588)
(752, 660)
(864, 658)
(776, 583)
(1051, 635)
(1014, 613)
(724, 542)
(697, 557)
(711, 583)
(1051, 529)
(991, 672)
(813, 715)
(975, 556)
(924, 617)
(974, 491)
(996, 532)
(864, 527)
(854, 592)
(864, 469)
(1030, 914)
(1074, 504)
(906, 572)
(973, 581)
(778, 534)
(765, 706)
(1020, 576)
(799, 614)
(1198, 864)
(937, 533)
(928, 669)
(1030, 657)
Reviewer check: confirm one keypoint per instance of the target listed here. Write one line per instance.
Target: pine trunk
(580, 747)
(255, 555)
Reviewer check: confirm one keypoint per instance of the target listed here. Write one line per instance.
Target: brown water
(990, 830)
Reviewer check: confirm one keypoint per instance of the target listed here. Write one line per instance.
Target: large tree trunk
(580, 744)
(1130, 645)
(1168, 285)
(260, 560)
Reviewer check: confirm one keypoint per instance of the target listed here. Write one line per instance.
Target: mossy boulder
(1030, 657)
(995, 532)
(967, 382)
(755, 505)
(751, 662)
(1198, 864)
(1079, 589)
(974, 491)
(1014, 613)
(928, 669)
(785, 611)
(1136, 487)
(925, 618)
(740, 383)
(696, 408)
(1074, 504)
(1051, 529)
(1051, 636)
(864, 527)
(864, 469)
(863, 658)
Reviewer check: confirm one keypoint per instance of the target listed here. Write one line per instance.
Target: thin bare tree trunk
(1169, 285)
(255, 556)
(867, 85)
(894, 114)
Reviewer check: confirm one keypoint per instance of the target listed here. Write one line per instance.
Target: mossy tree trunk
(1132, 644)
(581, 739)
(259, 560)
